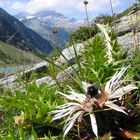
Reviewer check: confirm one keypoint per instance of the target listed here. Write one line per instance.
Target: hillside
(10, 55)
(16, 33)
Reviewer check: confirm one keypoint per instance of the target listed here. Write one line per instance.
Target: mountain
(14, 32)
(45, 22)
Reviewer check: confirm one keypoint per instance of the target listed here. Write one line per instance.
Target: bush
(103, 19)
(83, 33)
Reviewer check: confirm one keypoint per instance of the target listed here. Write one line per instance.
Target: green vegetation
(107, 19)
(128, 10)
(83, 33)
(27, 115)
(9, 55)
(34, 115)
(103, 19)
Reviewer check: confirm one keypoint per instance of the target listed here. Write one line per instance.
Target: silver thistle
(81, 104)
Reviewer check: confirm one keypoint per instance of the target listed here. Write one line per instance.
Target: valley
(44, 22)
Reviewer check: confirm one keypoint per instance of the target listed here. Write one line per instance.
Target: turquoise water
(10, 70)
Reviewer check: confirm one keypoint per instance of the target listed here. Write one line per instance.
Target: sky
(70, 8)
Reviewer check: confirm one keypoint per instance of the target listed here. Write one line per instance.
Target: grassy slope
(9, 55)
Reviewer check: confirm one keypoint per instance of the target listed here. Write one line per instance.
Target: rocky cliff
(128, 29)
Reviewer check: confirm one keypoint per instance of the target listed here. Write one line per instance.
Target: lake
(9, 70)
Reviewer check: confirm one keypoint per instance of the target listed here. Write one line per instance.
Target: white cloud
(1, 4)
(18, 5)
(66, 7)
(97, 6)
(63, 5)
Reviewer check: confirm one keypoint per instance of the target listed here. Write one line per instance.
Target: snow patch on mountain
(30, 17)
(53, 19)
(44, 22)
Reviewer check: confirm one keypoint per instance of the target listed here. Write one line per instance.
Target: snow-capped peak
(30, 17)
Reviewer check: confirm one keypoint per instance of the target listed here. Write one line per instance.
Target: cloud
(33, 5)
(66, 7)
(100, 5)
(63, 5)
(1, 4)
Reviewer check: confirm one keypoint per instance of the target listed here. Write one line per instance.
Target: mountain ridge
(44, 22)
(14, 32)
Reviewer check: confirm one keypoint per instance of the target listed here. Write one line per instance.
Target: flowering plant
(80, 104)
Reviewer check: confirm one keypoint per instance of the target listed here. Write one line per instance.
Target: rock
(128, 30)
(40, 67)
(69, 54)
(48, 80)
(129, 41)
(127, 23)
(65, 75)
(62, 76)
(8, 81)
(11, 81)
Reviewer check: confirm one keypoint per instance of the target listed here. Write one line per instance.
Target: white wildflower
(80, 104)
(75, 110)
(114, 89)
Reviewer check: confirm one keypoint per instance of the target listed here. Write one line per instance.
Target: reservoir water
(9, 70)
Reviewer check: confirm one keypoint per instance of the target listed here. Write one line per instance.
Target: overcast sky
(70, 8)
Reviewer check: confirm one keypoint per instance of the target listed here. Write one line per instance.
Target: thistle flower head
(80, 103)
(74, 110)
(114, 86)
(114, 89)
